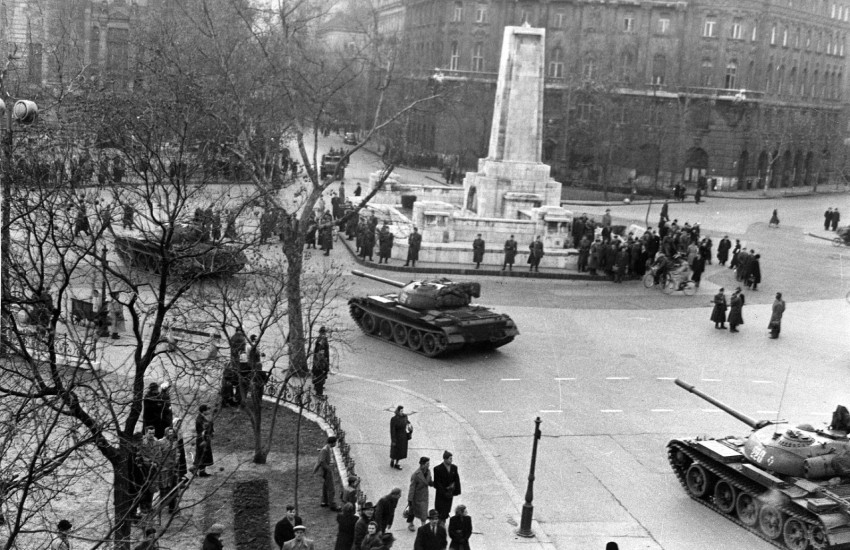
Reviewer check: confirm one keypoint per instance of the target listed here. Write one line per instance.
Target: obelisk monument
(512, 177)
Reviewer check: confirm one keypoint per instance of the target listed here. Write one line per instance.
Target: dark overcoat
(398, 436)
(736, 305)
(478, 250)
(718, 314)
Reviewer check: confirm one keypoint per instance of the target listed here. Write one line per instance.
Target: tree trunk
(123, 501)
(260, 453)
(297, 352)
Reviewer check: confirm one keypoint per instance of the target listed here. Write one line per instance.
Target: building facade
(737, 93)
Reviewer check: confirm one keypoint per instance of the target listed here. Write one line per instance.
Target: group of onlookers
(830, 219)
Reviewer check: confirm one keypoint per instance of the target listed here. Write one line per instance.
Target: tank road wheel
(747, 508)
(400, 334)
(770, 521)
(698, 480)
(649, 280)
(690, 288)
(795, 534)
(386, 329)
(817, 538)
(724, 496)
(369, 323)
(414, 339)
(433, 344)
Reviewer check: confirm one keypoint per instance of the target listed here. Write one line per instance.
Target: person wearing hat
(153, 410)
(284, 530)
(417, 493)
(777, 310)
(736, 305)
(351, 493)
(300, 542)
(62, 542)
(213, 539)
(446, 485)
(432, 535)
(718, 314)
(387, 540)
(361, 528)
(321, 363)
(324, 466)
(606, 218)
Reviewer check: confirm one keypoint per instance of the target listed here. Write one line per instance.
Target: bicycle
(669, 285)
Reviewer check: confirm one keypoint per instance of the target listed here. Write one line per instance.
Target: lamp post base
(525, 523)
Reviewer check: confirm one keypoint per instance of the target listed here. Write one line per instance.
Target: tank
(197, 258)
(431, 317)
(788, 484)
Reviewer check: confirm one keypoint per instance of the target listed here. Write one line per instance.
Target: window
(808, 39)
(556, 63)
(523, 17)
(659, 68)
(457, 14)
(797, 38)
(454, 61)
(478, 57)
(792, 82)
(629, 23)
(773, 35)
(768, 85)
(664, 24)
(736, 31)
(627, 62)
(804, 81)
(585, 111)
(832, 13)
(755, 33)
(709, 28)
(841, 47)
(785, 37)
(34, 61)
(780, 80)
(560, 20)
(588, 68)
(481, 13)
(731, 75)
(705, 74)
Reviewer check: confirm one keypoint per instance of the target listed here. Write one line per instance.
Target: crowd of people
(830, 219)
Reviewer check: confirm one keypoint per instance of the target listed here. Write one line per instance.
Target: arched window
(588, 67)
(839, 84)
(731, 75)
(804, 81)
(792, 82)
(780, 80)
(813, 84)
(768, 84)
(627, 63)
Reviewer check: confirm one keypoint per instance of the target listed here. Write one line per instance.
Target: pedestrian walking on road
(321, 363)
(836, 217)
(775, 324)
(478, 251)
(446, 485)
(284, 530)
(414, 242)
(346, 520)
(385, 510)
(460, 529)
(723, 250)
(827, 219)
(718, 314)
(736, 305)
(432, 535)
(510, 254)
(774, 220)
(324, 467)
(665, 211)
(400, 433)
(417, 493)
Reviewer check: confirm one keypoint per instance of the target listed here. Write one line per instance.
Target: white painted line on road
(665, 378)
(511, 379)
(762, 381)
(711, 410)
(490, 412)
(551, 411)
(564, 379)
(767, 412)
(611, 410)
(711, 380)
(618, 378)
(661, 410)
(820, 414)
(454, 379)
(399, 380)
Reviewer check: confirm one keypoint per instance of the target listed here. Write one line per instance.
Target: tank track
(741, 483)
(430, 342)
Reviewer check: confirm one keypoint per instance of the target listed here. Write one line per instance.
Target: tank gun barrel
(390, 282)
(751, 422)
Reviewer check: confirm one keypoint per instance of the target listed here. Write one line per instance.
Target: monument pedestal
(500, 188)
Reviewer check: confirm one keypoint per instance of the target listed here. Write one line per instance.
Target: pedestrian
(310, 237)
(204, 431)
(432, 535)
(284, 530)
(172, 468)
(300, 542)
(81, 222)
(510, 254)
(213, 539)
(326, 234)
(62, 541)
(478, 251)
(612, 546)
(351, 492)
(460, 529)
(127, 216)
(230, 395)
(827, 219)
(345, 520)
(665, 212)
(417, 493)
(385, 244)
(385, 510)
(367, 512)
(774, 220)
(736, 304)
(149, 542)
(535, 254)
(324, 467)
(697, 269)
(414, 242)
(775, 324)
(400, 433)
(321, 363)
(723, 250)
(697, 195)
(357, 190)
(372, 538)
(446, 485)
(606, 218)
(153, 410)
(836, 217)
(718, 314)
(367, 244)
(754, 272)
(116, 316)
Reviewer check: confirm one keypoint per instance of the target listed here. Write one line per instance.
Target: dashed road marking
(611, 410)
(820, 414)
(399, 380)
(665, 378)
(618, 378)
(564, 379)
(661, 410)
(490, 412)
(511, 379)
(454, 379)
(711, 380)
(544, 411)
(762, 381)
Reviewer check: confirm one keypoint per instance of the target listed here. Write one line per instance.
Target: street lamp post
(527, 508)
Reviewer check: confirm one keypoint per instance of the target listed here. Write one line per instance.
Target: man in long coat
(778, 310)
(510, 254)
(736, 306)
(535, 254)
(323, 467)
(718, 313)
(367, 242)
(385, 244)
(414, 242)
(478, 251)
(446, 485)
(321, 362)
(399, 436)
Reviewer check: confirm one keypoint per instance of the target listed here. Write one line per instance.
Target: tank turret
(781, 481)
(431, 317)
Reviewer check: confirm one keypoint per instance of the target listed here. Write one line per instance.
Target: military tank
(788, 484)
(193, 256)
(431, 317)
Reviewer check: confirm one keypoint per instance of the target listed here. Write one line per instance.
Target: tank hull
(432, 332)
(789, 512)
(200, 261)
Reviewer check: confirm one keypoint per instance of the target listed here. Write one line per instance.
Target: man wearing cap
(61, 542)
(361, 528)
(284, 530)
(324, 466)
(432, 535)
(213, 539)
(385, 510)
(417, 493)
(446, 485)
(300, 542)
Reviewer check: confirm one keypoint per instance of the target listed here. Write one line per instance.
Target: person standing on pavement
(346, 520)
(697, 269)
(665, 212)
(718, 314)
(827, 219)
(414, 242)
(400, 434)
(417, 493)
(385, 244)
(324, 467)
(723, 250)
(774, 219)
(836, 217)
(203, 441)
(284, 530)
(351, 492)
(300, 542)
(775, 324)
(321, 362)
(736, 305)
(446, 485)
(478, 251)
(460, 529)
(754, 272)
(362, 525)
(432, 535)
(372, 538)
(385, 510)
(510, 254)
(535, 254)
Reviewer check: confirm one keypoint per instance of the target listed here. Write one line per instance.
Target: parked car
(350, 138)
